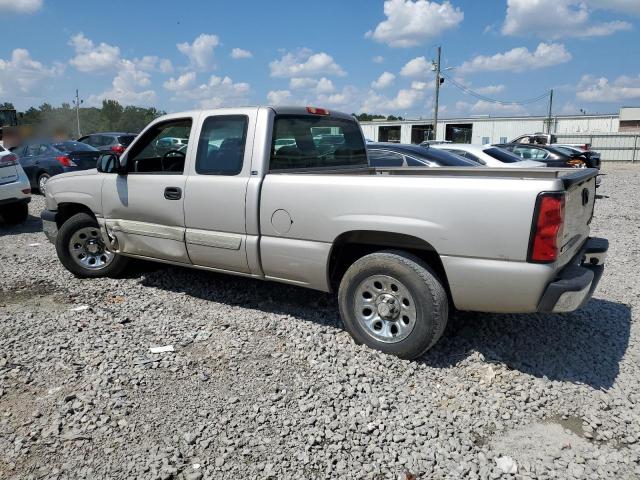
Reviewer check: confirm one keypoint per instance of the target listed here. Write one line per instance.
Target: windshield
(126, 140)
(73, 147)
(502, 155)
(307, 141)
(445, 159)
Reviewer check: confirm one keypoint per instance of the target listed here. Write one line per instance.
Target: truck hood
(77, 173)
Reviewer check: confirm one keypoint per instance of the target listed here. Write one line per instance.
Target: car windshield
(73, 147)
(126, 140)
(502, 155)
(310, 141)
(444, 158)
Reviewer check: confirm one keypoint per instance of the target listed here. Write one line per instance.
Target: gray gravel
(264, 382)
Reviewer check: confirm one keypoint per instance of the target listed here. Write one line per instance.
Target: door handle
(173, 193)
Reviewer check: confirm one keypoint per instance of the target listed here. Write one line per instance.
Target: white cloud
(305, 63)
(129, 87)
(384, 80)
(519, 59)
(21, 74)
(217, 92)
(323, 85)
(490, 89)
(240, 53)
(419, 85)
(279, 97)
(20, 6)
(592, 89)
(378, 59)
(482, 107)
(559, 18)
(200, 52)
(183, 82)
(410, 23)
(92, 58)
(405, 99)
(626, 6)
(418, 67)
(152, 63)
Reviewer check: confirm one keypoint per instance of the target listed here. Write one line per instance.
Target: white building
(482, 130)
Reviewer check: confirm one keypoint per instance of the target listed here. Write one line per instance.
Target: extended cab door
(144, 207)
(215, 212)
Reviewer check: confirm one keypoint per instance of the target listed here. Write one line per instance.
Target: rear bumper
(49, 225)
(576, 282)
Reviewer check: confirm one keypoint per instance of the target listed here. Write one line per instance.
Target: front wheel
(393, 302)
(81, 250)
(42, 182)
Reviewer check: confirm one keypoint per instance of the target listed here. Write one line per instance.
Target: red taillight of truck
(547, 227)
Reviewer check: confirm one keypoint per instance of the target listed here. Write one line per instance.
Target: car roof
(403, 147)
(469, 147)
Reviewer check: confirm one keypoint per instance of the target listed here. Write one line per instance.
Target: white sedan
(488, 155)
(15, 191)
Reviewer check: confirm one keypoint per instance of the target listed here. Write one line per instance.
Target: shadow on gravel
(31, 225)
(582, 347)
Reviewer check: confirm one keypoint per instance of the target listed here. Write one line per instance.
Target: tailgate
(85, 160)
(8, 172)
(580, 195)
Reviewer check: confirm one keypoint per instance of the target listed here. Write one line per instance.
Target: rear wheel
(43, 178)
(393, 302)
(81, 250)
(15, 214)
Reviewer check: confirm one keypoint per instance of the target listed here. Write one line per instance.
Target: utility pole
(550, 111)
(437, 99)
(77, 103)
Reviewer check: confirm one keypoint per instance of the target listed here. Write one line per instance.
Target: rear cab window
(126, 139)
(309, 141)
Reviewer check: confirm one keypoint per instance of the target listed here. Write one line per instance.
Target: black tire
(45, 177)
(15, 214)
(77, 222)
(430, 311)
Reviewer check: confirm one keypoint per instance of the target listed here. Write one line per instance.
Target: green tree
(111, 114)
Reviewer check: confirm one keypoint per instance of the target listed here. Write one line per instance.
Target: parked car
(42, 160)
(550, 156)
(15, 192)
(428, 143)
(489, 156)
(116, 142)
(546, 139)
(401, 155)
(400, 245)
(592, 158)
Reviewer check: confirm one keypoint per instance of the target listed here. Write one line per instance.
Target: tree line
(112, 116)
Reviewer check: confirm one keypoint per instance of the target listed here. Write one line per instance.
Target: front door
(215, 216)
(144, 208)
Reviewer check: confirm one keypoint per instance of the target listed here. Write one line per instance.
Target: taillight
(66, 161)
(26, 191)
(317, 111)
(577, 163)
(118, 149)
(547, 227)
(8, 160)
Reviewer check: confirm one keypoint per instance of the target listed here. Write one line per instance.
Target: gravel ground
(264, 382)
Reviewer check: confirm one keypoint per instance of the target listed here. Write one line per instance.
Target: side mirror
(109, 163)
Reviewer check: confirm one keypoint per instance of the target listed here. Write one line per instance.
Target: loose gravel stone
(265, 383)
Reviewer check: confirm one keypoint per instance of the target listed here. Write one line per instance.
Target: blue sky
(355, 56)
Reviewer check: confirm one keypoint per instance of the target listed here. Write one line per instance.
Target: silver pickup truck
(286, 194)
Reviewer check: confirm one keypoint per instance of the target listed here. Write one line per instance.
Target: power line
(492, 100)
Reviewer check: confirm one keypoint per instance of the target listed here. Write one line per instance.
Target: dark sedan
(41, 160)
(400, 155)
(551, 156)
(116, 142)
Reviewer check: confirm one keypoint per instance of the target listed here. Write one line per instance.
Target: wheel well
(351, 246)
(68, 210)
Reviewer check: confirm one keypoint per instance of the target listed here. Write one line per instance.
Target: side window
(106, 140)
(221, 145)
(155, 153)
(539, 154)
(385, 158)
(32, 150)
